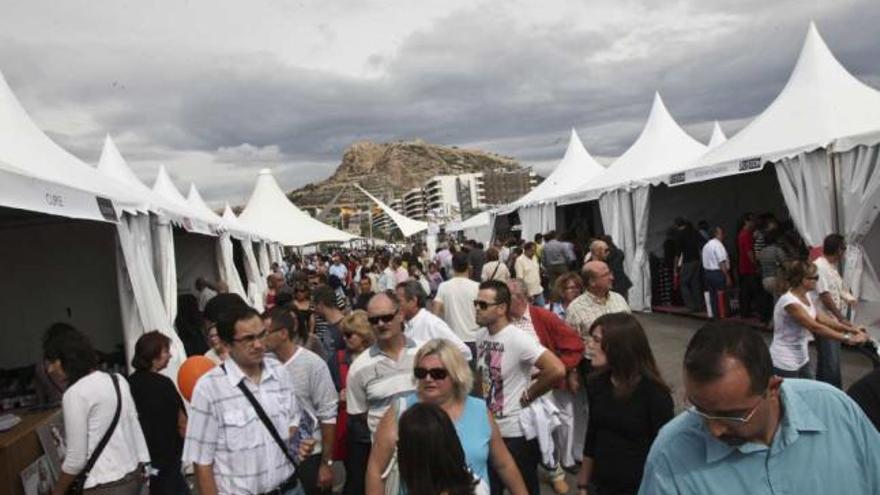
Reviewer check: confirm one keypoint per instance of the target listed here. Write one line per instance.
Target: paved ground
(669, 336)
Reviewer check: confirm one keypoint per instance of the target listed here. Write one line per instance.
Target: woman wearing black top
(629, 402)
(160, 411)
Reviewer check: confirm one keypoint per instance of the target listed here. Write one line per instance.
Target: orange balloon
(189, 373)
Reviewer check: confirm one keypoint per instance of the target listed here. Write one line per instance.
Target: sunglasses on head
(374, 320)
(436, 373)
(483, 304)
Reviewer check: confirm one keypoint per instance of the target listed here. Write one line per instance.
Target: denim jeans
(527, 457)
(828, 362)
(715, 282)
(691, 288)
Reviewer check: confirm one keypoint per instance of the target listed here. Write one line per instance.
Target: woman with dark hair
(430, 457)
(89, 406)
(566, 289)
(190, 325)
(494, 269)
(161, 412)
(303, 308)
(629, 402)
(795, 317)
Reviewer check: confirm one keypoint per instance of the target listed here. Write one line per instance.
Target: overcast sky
(216, 90)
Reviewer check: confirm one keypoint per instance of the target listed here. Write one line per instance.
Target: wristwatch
(847, 336)
(329, 462)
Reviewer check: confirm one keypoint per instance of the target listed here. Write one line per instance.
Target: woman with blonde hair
(566, 289)
(351, 445)
(795, 317)
(444, 379)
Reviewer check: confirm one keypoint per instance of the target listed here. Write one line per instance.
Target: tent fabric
(263, 260)
(198, 221)
(27, 150)
(268, 210)
(165, 264)
(113, 165)
(718, 138)
(408, 226)
(226, 265)
(859, 173)
(805, 181)
(576, 168)
(625, 217)
(24, 192)
(537, 219)
(661, 148)
(256, 289)
(139, 294)
(820, 103)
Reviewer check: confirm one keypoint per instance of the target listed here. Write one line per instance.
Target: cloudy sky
(217, 90)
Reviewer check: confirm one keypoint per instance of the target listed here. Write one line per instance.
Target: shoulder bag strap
(264, 418)
(106, 438)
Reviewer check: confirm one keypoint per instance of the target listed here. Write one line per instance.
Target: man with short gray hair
(597, 300)
(421, 325)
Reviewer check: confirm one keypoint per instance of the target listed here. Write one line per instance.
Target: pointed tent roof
(25, 147)
(164, 187)
(718, 136)
(407, 226)
(268, 210)
(660, 148)
(576, 167)
(113, 165)
(821, 102)
(196, 201)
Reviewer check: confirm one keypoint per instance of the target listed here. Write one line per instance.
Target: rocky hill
(388, 170)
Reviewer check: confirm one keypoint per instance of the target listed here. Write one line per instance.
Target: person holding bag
(106, 450)
(244, 416)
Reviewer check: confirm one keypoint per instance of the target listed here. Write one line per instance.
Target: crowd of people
(475, 370)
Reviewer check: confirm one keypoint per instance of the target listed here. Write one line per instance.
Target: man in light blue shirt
(748, 432)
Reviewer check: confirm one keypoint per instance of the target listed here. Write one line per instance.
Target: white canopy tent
(257, 285)
(477, 227)
(269, 210)
(623, 191)
(822, 132)
(408, 226)
(718, 138)
(537, 208)
(98, 302)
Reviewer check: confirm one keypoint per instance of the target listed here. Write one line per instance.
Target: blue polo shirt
(824, 444)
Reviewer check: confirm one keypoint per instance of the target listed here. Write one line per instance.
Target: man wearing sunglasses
(506, 356)
(749, 432)
(384, 371)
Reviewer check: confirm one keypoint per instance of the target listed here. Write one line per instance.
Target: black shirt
(866, 393)
(620, 432)
(689, 244)
(158, 403)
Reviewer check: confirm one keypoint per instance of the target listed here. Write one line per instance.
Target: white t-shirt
(457, 295)
(714, 254)
(789, 347)
(831, 282)
(504, 362)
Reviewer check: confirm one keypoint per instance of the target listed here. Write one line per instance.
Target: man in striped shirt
(231, 449)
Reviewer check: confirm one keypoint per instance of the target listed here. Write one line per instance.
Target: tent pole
(835, 196)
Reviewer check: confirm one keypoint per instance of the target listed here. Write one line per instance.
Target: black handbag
(78, 485)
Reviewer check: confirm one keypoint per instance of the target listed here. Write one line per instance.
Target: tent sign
(716, 171)
(105, 206)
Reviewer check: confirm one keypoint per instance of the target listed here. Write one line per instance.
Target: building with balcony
(504, 186)
(414, 204)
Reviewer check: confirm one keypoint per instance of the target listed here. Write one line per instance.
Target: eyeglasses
(727, 419)
(812, 277)
(483, 304)
(374, 320)
(349, 335)
(436, 373)
(253, 338)
(276, 330)
(572, 287)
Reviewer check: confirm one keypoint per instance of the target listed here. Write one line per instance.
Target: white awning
(407, 226)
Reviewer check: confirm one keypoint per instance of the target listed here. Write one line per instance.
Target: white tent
(225, 251)
(477, 227)
(25, 149)
(660, 148)
(269, 210)
(821, 131)
(718, 137)
(408, 226)
(537, 208)
(257, 286)
(199, 221)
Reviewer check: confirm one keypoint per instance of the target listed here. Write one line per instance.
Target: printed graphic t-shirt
(504, 362)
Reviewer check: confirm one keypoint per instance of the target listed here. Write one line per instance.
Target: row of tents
(95, 247)
(813, 154)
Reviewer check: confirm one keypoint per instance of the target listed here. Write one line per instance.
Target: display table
(20, 447)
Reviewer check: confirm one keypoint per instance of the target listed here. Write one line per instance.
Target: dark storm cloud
(476, 77)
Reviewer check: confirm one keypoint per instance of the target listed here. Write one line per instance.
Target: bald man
(597, 300)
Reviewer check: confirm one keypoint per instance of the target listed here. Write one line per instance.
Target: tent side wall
(196, 257)
(57, 272)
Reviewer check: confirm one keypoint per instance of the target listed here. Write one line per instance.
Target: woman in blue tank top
(443, 378)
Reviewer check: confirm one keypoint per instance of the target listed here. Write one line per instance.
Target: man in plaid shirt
(231, 449)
